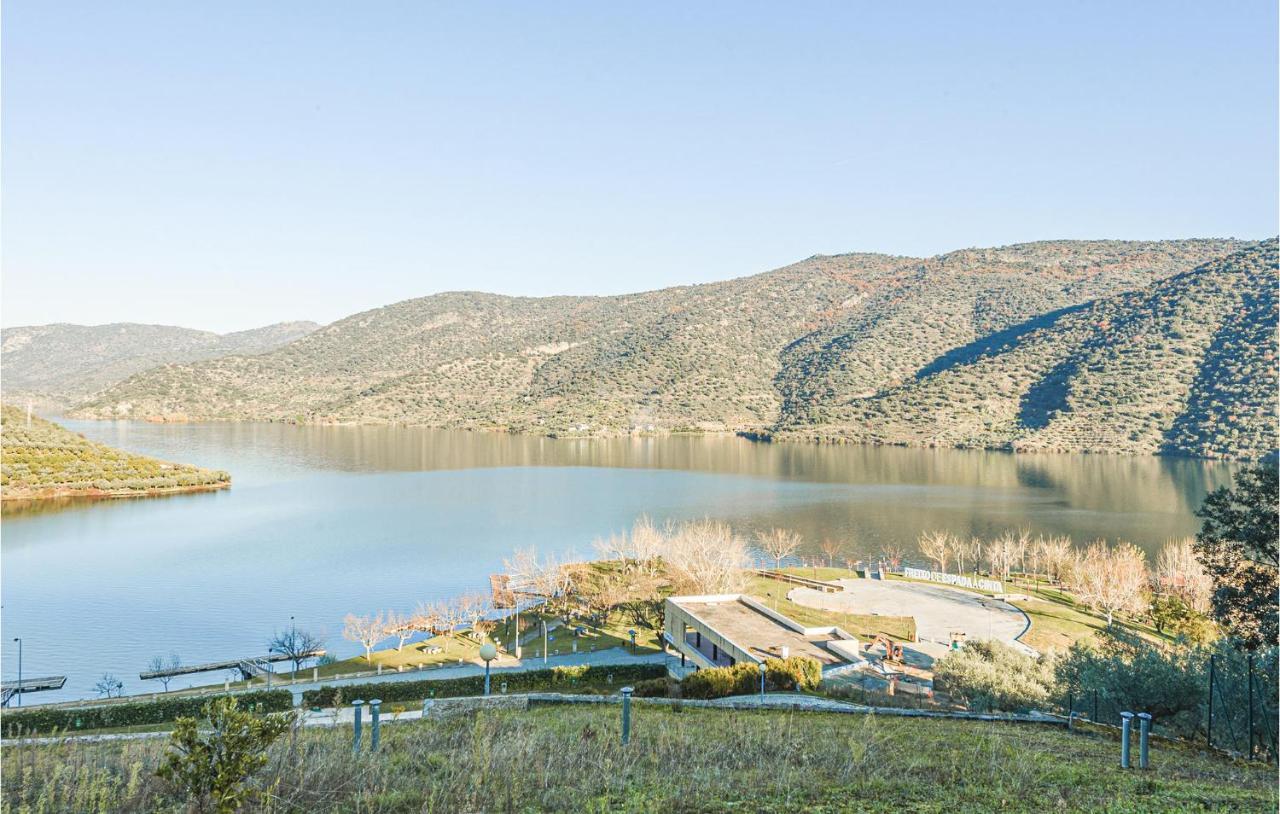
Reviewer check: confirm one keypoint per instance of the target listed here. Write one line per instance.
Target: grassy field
(773, 593)
(570, 759)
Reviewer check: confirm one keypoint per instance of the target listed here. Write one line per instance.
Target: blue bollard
(1126, 727)
(359, 711)
(1144, 735)
(375, 736)
(626, 715)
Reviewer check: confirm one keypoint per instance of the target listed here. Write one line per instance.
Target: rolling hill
(807, 351)
(59, 365)
(40, 459)
(1184, 366)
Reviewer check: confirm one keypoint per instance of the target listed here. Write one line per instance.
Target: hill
(569, 758)
(63, 364)
(45, 460)
(1185, 366)
(791, 351)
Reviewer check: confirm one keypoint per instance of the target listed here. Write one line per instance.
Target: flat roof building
(724, 629)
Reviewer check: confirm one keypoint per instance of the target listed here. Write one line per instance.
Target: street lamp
(18, 693)
(544, 641)
(487, 652)
(762, 669)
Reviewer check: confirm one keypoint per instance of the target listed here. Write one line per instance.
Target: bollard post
(1208, 732)
(315, 673)
(1126, 726)
(626, 715)
(1071, 702)
(1144, 735)
(375, 708)
(359, 712)
(1250, 706)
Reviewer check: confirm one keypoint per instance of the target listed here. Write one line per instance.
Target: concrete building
(722, 630)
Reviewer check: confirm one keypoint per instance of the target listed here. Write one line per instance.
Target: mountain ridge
(776, 353)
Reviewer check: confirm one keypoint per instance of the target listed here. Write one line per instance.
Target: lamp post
(762, 669)
(18, 639)
(544, 641)
(487, 652)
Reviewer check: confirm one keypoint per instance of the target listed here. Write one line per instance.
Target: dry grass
(570, 759)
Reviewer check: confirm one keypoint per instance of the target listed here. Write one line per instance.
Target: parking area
(938, 610)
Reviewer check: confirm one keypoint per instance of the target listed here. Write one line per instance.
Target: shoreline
(8, 499)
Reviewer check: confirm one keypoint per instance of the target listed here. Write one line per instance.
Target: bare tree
(937, 546)
(1180, 573)
(706, 557)
(109, 686)
(779, 544)
(831, 549)
(1002, 554)
(1056, 556)
(473, 607)
(647, 544)
(425, 618)
(367, 630)
(165, 666)
(893, 554)
(401, 626)
(297, 645)
(1112, 580)
(615, 547)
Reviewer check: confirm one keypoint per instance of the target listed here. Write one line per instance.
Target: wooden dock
(248, 668)
(8, 689)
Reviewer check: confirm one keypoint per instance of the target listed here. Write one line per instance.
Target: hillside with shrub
(41, 459)
(62, 364)
(798, 352)
(1184, 366)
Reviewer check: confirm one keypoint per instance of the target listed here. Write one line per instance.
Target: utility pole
(19, 641)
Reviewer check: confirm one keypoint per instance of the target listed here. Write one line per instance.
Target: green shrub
(557, 678)
(795, 673)
(993, 675)
(651, 688)
(104, 716)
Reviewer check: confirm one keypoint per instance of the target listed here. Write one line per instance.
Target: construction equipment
(892, 651)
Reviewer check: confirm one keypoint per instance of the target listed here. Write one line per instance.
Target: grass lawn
(570, 759)
(613, 634)
(773, 593)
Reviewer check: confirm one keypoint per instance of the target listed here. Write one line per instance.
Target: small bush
(795, 673)
(651, 688)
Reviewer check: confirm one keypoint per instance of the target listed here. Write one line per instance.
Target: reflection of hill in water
(895, 492)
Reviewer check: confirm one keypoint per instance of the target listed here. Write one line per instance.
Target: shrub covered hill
(60, 365)
(854, 347)
(41, 459)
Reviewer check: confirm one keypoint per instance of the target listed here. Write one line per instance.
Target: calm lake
(323, 521)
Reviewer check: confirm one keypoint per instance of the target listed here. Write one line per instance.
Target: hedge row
(516, 681)
(795, 673)
(162, 710)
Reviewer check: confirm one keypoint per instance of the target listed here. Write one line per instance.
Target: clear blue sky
(223, 165)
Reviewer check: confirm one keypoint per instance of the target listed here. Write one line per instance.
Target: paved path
(937, 609)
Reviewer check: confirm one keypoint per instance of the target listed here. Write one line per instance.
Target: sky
(227, 165)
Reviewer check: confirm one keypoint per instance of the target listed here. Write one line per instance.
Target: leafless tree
(401, 626)
(367, 630)
(296, 644)
(109, 686)
(1112, 579)
(937, 546)
(831, 549)
(706, 557)
(425, 618)
(160, 664)
(615, 547)
(1056, 556)
(779, 544)
(893, 554)
(1180, 573)
(647, 544)
(473, 607)
(1003, 554)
